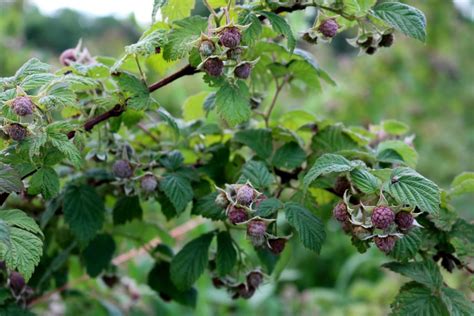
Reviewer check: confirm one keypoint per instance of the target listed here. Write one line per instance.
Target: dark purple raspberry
(256, 232)
(16, 132)
(206, 48)
(371, 50)
(382, 217)
(214, 66)
(23, 106)
(237, 215)
(230, 37)
(404, 220)
(329, 28)
(217, 283)
(243, 291)
(243, 71)
(17, 282)
(110, 280)
(254, 279)
(122, 169)
(245, 195)
(341, 185)
(149, 183)
(234, 53)
(366, 43)
(385, 244)
(386, 40)
(340, 212)
(260, 199)
(277, 245)
(68, 57)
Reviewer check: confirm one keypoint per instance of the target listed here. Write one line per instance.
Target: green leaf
(20, 244)
(83, 211)
(136, 91)
(257, 173)
(46, 182)
(170, 120)
(126, 209)
(310, 228)
(365, 181)
(182, 37)
(268, 207)
(98, 254)
(64, 145)
(415, 299)
(157, 4)
(148, 43)
(409, 187)
(36, 81)
(407, 246)
(331, 140)
(409, 155)
(252, 33)
(358, 7)
(178, 190)
(326, 164)
(193, 106)
(394, 127)
(280, 25)
(31, 67)
(226, 257)
(289, 156)
(425, 272)
(177, 9)
(190, 262)
(407, 19)
(259, 140)
(207, 207)
(10, 179)
(159, 280)
(456, 302)
(232, 102)
(463, 183)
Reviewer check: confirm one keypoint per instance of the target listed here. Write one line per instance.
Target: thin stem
(210, 8)
(279, 87)
(142, 74)
(185, 71)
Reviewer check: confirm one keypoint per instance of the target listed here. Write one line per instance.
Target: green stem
(279, 87)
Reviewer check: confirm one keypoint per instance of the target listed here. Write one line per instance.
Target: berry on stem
(206, 48)
(245, 195)
(230, 37)
(16, 132)
(17, 282)
(277, 245)
(243, 70)
(237, 215)
(149, 183)
(23, 106)
(404, 220)
(329, 28)
(122, 169)
(382, 217)
(386, 40)
(256, 231)
(340, 212)
(214, 66)
(385, 244)
(254, 279)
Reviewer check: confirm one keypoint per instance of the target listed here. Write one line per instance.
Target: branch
(185, 71)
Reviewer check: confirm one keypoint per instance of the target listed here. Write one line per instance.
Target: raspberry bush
(87, 148)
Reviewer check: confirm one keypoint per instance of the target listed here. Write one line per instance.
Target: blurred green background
(428, 86)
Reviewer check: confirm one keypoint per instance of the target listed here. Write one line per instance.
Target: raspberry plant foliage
(85, 147)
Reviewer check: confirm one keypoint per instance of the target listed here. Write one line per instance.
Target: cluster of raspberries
(388, 223)
(224, 46)
(241, 290)
(371, 43)
(240, 202)
(123, 169)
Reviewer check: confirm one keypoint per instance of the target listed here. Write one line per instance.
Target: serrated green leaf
(178, 190)
(326, 164)
(409, 155)
(44, 181)
(280, 25)
(259, 140)
(415, 299)
(331, 140)
(409, 187)
(310, 228)
(35, 81)
(83, 211)
(148, 43)
(365, 181)
(233, 102)
(136, 91)
(10, 179)
(177, 9)
(252, 33)
(456, 302)
(407, 19)
(407, 246)
(257, 173)
(126, 209)
(98, 254)
(226, 257)
(193, 106)
(31, 67)
(426, 272)
(157, 4)
(64, 145)
(289, 156)
(394, 127)
(170, 120)
(207, 207)
(463, 183)
(268, 207)
(190, 262)
(182, 36)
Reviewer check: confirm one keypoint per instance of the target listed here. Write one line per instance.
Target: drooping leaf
(136, 91)
(456, 302)
(178, 190)
(329, 163)
(425, 272)
(44, 181)
(226, 254)
(289, 156)
(280, 25)
(268, 207)
(463, 183)
(126, 209)
(407, 246)
(10, 179)
(415, 299)
(257, 173)
(408, 154)
(182, 36)
(177, 9)
(365, 181)
(98, 254)
(259, 140)
(207, 207)
(233, 102)
(190, 262)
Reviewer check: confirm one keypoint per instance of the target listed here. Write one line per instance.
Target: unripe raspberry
(260, 199)
(230, 37)
(243, 71)
(16, 132)
(122, 169)
(382, 217)
(237, 215)
(245, 195)
(256, 232)
(149, 183)
(360, 232)
(340, 212)
(221, 200)
(385, 244)
(206, 48)
(404, 220)
(17, 282)
(329, 28)
(214, 67)
(23, 106)
(386, 40)
(277, 245)
(234, 53)
(254, 279)
(68, 56)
